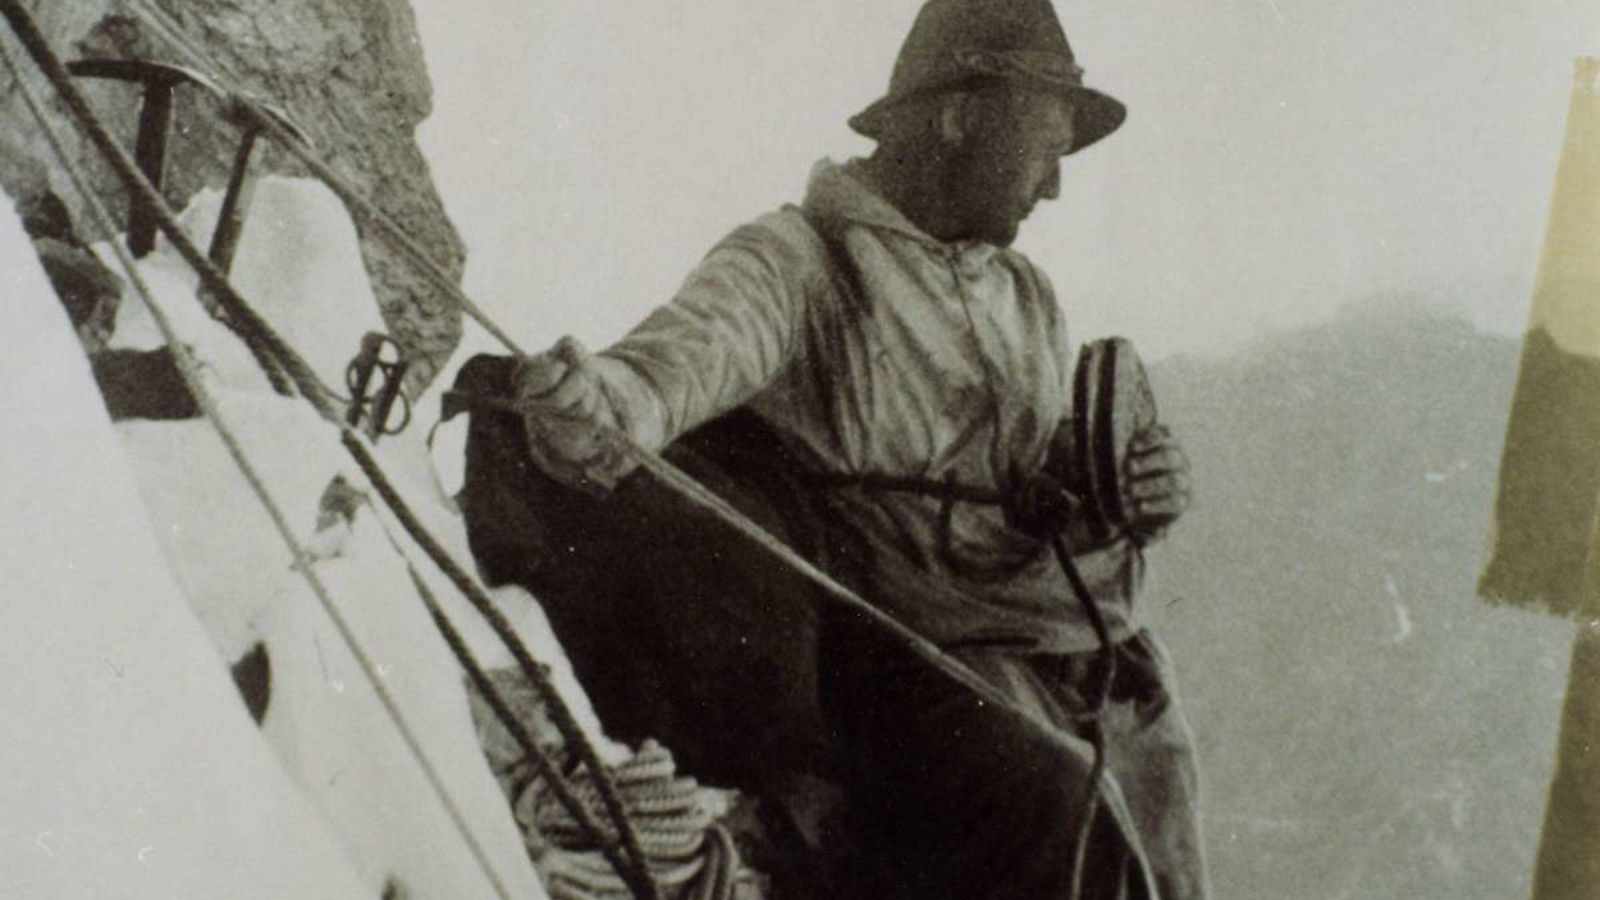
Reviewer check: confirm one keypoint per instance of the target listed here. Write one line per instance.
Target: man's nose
(1051, 189)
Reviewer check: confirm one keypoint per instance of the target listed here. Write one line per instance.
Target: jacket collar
(842, 193)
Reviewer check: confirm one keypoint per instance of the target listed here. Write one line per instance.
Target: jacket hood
(841, 192)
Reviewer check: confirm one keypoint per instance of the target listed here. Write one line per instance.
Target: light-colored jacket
(953, 363)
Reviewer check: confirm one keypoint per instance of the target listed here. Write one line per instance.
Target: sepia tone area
(280, 648)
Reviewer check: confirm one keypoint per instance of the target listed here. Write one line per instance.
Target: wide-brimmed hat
(958, 44)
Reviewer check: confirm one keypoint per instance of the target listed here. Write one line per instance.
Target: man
(898, 349)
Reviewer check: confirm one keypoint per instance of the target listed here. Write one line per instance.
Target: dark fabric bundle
(678, 628)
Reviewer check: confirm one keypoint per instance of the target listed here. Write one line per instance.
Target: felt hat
(962, 44)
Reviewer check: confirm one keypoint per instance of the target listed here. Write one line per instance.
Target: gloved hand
(1156, 488)
(570, 419)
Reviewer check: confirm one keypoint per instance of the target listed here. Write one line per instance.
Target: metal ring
(405, 417)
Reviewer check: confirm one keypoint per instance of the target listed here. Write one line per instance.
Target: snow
(374, 818)
(132, 770)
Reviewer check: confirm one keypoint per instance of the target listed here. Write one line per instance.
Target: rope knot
(1041, 505)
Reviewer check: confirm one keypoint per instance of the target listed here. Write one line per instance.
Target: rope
(1097, 737)
(559, 786)
(536, 673)
(316, 394)
(188, 368)
(689, 854)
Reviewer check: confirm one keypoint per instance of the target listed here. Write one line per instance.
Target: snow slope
(132, 770)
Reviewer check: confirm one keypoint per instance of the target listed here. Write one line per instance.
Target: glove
(571, 422)
(1156, 485)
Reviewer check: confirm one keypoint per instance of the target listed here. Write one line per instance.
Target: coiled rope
(690, 856)
(633, 868)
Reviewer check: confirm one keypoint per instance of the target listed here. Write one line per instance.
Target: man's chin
(1000, 233)
(1004, 237)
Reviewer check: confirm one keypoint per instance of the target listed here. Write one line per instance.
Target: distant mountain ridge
(1369, 729)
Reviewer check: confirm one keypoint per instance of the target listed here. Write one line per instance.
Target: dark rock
(340, 502)
(45, 216)
(253, 675)
(90, 291)
(142, 384)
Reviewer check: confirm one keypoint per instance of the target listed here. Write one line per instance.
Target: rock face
(349, 72)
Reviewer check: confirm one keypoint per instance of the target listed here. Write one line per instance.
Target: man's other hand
(1156, 489)
(568, 417)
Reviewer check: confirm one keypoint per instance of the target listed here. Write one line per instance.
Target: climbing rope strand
(557, 782)
(386, 225)
(1108, 657)
(189, 370)
(537, 674)
(305, 379)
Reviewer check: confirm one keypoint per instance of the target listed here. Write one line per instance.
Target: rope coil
(689, 854)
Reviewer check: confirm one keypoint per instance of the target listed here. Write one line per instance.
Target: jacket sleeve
(729, 331)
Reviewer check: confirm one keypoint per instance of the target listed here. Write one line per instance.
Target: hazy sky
(1281, 157)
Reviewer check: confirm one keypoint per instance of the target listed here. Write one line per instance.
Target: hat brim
(1095, 116)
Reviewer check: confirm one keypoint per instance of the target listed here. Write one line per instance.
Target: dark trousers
(955, 798)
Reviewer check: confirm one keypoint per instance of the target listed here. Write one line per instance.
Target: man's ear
(955, 118)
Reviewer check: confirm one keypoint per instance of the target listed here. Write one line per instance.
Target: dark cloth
(677, 629)
(960, 799)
